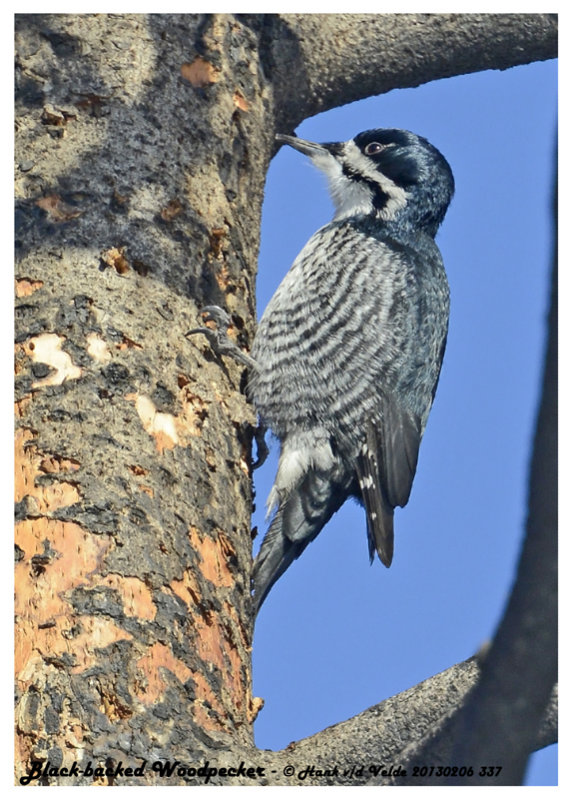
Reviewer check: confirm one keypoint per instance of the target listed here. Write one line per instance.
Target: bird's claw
(212, 314)
(217, 315)
(218, 337)
(262, 450)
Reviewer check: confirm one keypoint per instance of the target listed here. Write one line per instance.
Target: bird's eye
(373, 148)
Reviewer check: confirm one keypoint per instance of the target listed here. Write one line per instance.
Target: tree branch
(319, 61)
(503, 712)
(418, 727)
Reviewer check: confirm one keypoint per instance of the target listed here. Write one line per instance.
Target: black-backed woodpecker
(347, 355)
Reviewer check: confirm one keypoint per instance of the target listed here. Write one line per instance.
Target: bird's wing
(385, 468)
(399, 440)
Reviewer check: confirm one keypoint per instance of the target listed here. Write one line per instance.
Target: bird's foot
(218, 337)
(262, 450)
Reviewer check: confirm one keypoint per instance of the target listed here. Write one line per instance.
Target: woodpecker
(347, 355)
(348, 352)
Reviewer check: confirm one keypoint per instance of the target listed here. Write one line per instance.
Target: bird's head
(387, 173)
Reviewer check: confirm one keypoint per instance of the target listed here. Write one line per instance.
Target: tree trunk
(142, 147)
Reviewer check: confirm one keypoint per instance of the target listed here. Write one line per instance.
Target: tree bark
(339, 58)
(142, 146)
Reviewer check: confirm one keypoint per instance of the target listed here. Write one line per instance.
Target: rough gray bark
(414, 729)
(338, 58)
(142, 145)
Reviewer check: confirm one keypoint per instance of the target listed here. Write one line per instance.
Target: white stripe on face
(351, 196)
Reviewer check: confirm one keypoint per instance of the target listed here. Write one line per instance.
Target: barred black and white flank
(349, 349)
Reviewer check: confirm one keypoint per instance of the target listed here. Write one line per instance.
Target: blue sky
(335, 635)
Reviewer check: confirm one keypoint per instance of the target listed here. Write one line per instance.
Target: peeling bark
(133, 457)
(142, 146)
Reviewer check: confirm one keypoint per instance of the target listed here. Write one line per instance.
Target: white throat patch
(353, 197)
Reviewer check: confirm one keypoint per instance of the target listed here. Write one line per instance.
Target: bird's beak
(311, 149)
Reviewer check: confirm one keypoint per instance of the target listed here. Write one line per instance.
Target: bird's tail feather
(276, 554)
(298, 520)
